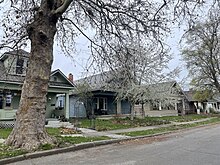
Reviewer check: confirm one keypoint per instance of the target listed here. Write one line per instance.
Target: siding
(111, 105)
(125, 107)
(76, 109)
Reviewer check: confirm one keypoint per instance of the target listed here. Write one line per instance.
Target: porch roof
(190, 97)
(104, 93)
(105, 81)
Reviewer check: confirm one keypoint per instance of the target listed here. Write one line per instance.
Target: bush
(211, 110)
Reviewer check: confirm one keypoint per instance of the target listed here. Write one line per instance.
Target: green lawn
(5, 132)
(118, 123)
(170, 128)
(6, 151)
(185, 118)
(67, 141)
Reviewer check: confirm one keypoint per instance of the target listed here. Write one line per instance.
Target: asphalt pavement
(115, 138)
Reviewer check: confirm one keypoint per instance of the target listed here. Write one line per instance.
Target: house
(166, 98)
(198, 105)
(13, 67)
(100, 91)
(161, 99)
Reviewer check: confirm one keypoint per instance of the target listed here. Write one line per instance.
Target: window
(55, 79)
(61, 103)
(8, 100)
(101, 103)
(19, 66)
(1, 101)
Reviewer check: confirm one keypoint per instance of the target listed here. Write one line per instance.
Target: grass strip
(170, 128)
(124, 123)
(6, 151)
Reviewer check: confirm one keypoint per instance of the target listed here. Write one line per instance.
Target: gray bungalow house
(13, 66)
(207, 105)
(161, 99)
(102, 97)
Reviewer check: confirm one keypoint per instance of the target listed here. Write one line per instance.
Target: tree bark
(132, 111)
(29, 131)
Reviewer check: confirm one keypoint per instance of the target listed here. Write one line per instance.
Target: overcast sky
(76, 64)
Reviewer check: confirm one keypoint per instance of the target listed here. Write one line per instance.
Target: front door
(100, 106)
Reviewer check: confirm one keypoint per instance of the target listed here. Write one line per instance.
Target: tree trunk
(142, 110)
(29, 130)
(132, 111)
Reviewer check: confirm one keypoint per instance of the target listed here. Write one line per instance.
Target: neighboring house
(201, 105)
(161, 99)
(13, 66)
(103, 100)
(166, 98)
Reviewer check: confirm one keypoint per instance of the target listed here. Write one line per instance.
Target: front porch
(102, 103)
(55, 108)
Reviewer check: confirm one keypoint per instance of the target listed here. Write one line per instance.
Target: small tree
(201, 52)
(85, 95)
(136, 65)
(203, 95)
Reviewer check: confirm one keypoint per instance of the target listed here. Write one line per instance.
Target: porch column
(118, 107)
(184, 107)
(176, 106)
(67, 106)
(160, 106)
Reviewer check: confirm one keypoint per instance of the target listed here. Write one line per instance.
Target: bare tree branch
(63, 7)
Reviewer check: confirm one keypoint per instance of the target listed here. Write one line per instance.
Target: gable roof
(5, 77)
(162, 87)
(160, 91)
(19, 52)
(19, 79)
(66, 83)
(189, 95)
(108, 81)
(102, 81)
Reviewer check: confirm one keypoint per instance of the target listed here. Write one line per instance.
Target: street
(200, 146)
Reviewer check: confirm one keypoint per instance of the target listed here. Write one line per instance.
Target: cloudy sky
(76, 65)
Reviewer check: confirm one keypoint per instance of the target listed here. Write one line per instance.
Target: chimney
(70, 77)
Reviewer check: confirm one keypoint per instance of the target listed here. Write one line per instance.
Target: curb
(72, 148)
(82, 146)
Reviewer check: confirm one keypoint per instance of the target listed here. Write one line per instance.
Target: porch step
(53, 122)
(57, 124)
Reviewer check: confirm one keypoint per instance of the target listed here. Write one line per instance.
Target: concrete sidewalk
(93, 133)
(113, 133)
